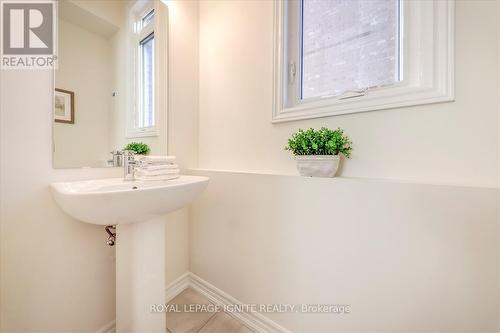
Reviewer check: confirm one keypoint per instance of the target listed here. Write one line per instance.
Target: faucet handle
(128, 152)
(129, 156)
(129, 164)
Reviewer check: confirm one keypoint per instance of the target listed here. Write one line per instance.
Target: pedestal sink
(115, 201)
(138, 209)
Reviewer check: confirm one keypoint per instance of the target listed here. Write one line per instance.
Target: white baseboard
(253, 320)
(176, 287)
(108, 328)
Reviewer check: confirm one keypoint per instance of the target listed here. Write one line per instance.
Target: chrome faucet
(128, 165)
(116, 160)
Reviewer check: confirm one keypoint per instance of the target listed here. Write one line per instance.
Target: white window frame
(427, 65)
(138, 32)
(144, 34)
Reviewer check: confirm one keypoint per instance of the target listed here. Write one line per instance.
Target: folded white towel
(150, 167)
(158, 178)
(140, 172)
(146, 163)
(155, 158)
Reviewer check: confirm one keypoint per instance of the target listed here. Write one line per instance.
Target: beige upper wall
(393, 252)
(442, 143)
(183, 88)
(57, 274)
(182, 120)
(85, 69)
(100, 67)
(110, 10)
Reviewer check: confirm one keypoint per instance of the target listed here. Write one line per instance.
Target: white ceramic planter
(317, 165)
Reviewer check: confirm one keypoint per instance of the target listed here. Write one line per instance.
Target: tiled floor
(202, 322)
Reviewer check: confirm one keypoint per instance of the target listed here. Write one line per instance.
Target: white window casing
(143, 24)
(426, 64)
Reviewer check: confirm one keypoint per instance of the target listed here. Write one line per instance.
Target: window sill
(386, 98)
(141, 134)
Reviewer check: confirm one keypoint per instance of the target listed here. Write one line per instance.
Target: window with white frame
(143, 119)
(344, 56)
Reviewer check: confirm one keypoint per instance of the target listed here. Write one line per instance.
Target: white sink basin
(115, 201)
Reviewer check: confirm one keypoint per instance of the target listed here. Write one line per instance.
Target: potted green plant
(138, 147)
(317, 152)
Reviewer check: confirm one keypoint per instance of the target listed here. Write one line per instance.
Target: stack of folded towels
(156, 168)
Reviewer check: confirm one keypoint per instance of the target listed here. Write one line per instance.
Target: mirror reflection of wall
(95, 90)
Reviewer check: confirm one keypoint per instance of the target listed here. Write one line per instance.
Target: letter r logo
(27, 28)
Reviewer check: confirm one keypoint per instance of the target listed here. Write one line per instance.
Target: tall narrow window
(146, 19)
(143, 117)
(147, 111)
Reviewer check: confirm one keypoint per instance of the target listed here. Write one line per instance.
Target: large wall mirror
(111, 81)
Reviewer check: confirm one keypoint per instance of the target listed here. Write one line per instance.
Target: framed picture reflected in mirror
(64, 106)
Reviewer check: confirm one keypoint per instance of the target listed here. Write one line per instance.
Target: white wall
(85, 69)
(109, 10)
(120, 85)
(57, 274)
(407, 257)
(453, 143)
(183, 81)
(498, 154)
(182, 120)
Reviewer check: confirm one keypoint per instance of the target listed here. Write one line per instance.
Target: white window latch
(353, 93)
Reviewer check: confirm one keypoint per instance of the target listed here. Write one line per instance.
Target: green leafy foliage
(138, 147)
(320, 142)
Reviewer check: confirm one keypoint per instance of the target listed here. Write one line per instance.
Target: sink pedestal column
(140, 276)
